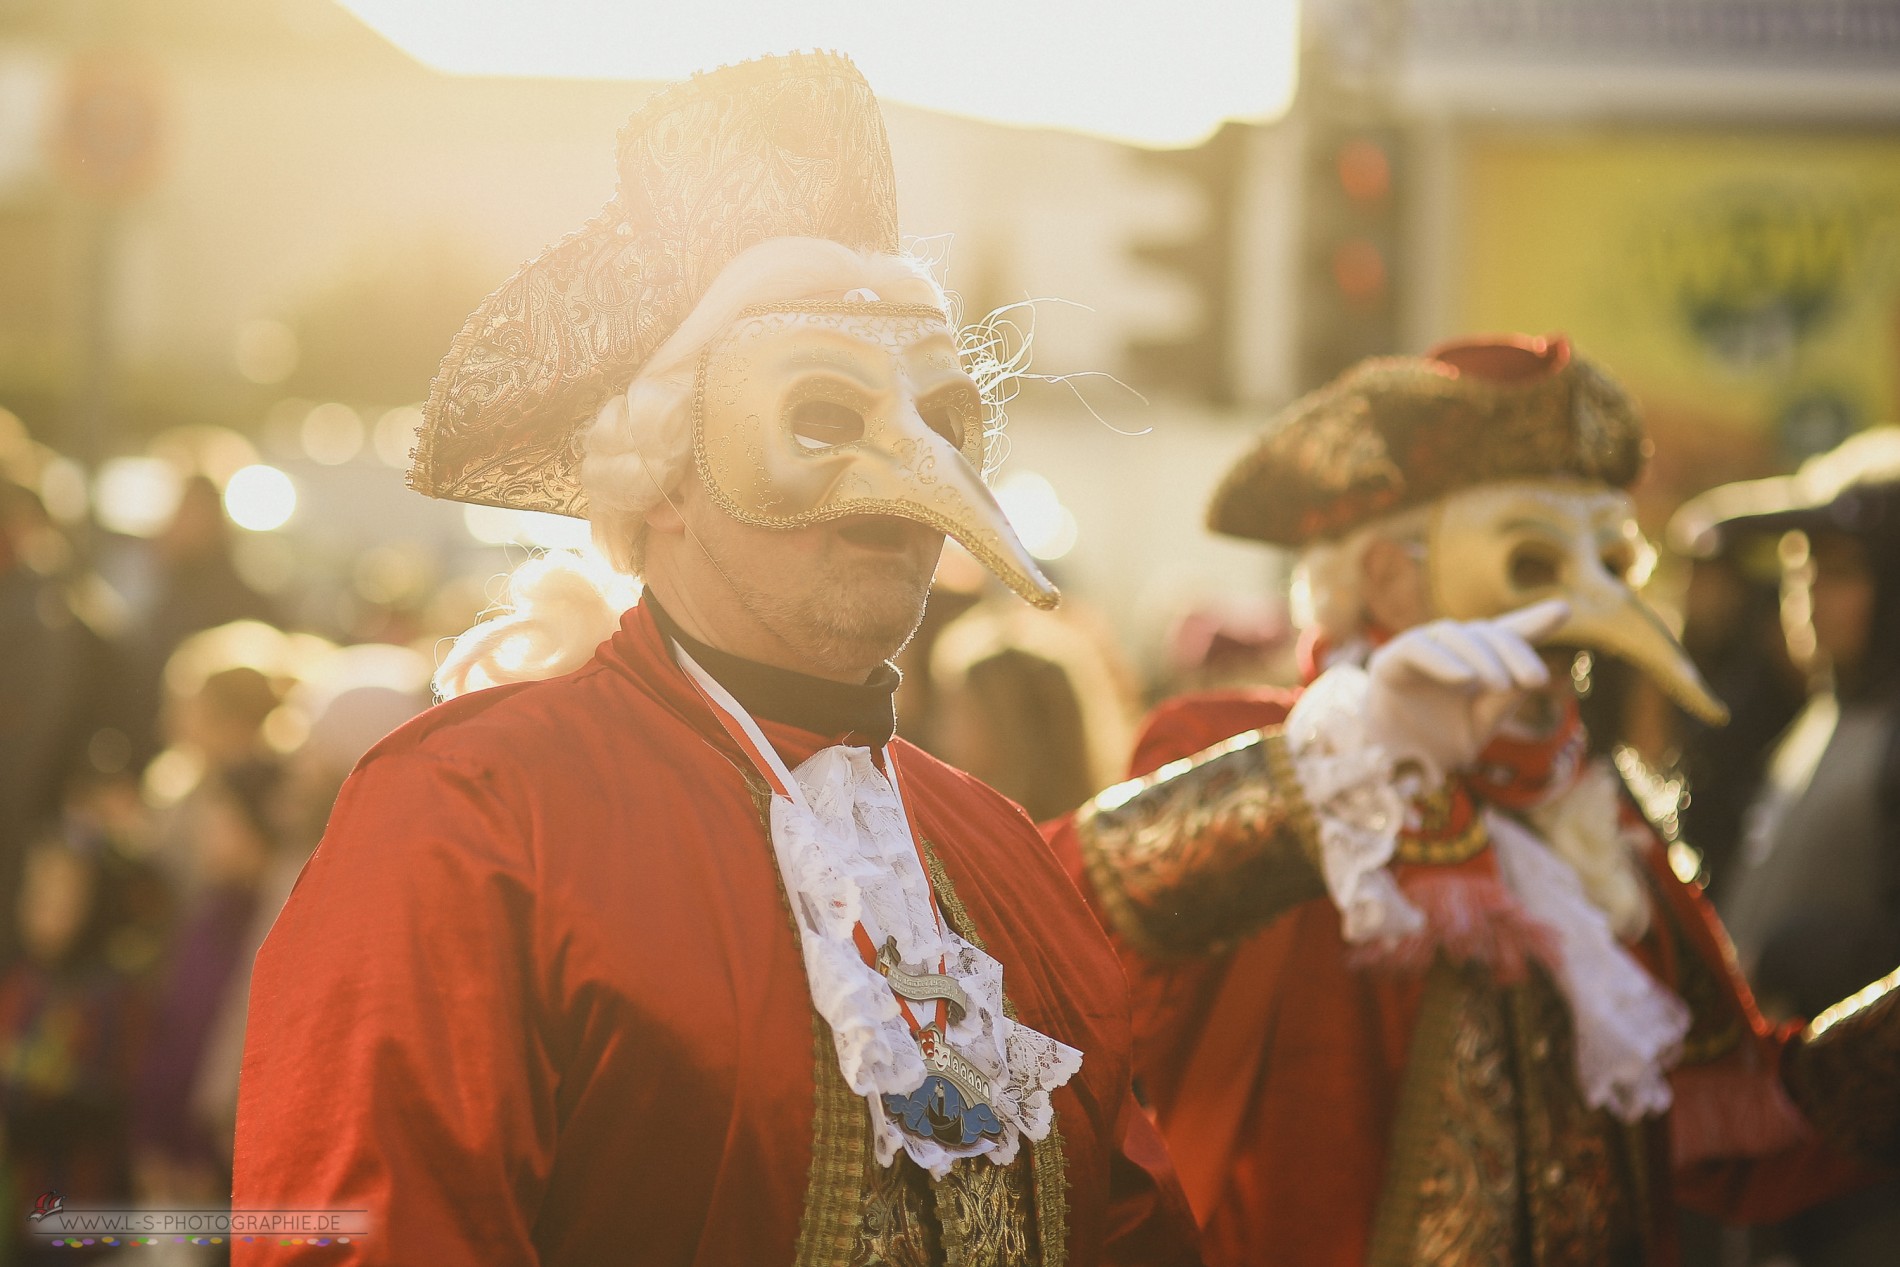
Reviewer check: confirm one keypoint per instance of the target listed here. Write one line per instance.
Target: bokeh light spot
(331, 434)
(1047, 527)
(136, 496)
(395, 436)
(265, 352)
(63, 490)
(260, 498)
(170, 777)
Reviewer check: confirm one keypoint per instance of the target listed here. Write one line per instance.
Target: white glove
(1438, 691)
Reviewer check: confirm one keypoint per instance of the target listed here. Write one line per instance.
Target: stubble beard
(850, 615)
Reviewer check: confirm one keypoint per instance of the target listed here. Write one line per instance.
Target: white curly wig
(1329, 579)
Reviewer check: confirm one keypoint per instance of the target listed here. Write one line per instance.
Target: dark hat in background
(1853, 488)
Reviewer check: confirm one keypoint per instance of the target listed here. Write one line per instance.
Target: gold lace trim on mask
(966, 528)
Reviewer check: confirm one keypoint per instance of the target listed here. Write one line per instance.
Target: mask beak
(936, 487)
(761, 471)
(1607, 616)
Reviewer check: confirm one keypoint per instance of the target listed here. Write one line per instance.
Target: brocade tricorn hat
(1395, 432)
(779, 147)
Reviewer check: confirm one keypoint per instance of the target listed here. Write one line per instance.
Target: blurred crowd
(172, 748)
(168, 760)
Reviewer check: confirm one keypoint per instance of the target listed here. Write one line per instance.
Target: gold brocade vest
(1495, 1159)
(980, 1215)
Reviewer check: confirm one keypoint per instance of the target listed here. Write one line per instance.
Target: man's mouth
(883, 533)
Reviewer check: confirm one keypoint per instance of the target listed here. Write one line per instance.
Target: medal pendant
(921, 987)
(952, 1105)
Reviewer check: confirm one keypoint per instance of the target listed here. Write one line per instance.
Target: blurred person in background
(72, 1023)
(239, 832)
(1033, 704)
(196, 585)
(223, 707)
(1415, 982)
(1219, 646)
(199, 584)
(54, 672)
(222, 719)
(1812, 898)
(345, 702)
(1732, 630)
(651, 941)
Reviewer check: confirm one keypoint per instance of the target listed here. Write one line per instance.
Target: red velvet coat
(1275, 1068)
(537, 997)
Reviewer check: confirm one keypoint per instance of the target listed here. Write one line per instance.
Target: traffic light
(1350, 232)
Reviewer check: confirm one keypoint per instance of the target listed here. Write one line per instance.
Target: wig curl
(1329, 579)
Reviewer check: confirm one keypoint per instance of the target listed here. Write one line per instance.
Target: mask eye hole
(826, 424)
(949, 411)
(1533, 567)
(1619, 561)
(945, 420)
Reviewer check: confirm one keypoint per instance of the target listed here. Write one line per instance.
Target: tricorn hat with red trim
(1396, 432)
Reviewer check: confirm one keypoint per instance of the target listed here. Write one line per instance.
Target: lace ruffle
(846, 855)
(1348, 780)
(1629, 1028)
(1583, 825)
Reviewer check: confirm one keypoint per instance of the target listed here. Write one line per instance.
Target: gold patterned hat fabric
(1396, 432)
(779, 147)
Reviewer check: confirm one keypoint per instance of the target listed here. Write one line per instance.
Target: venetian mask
(807, 413)
(1498, 547)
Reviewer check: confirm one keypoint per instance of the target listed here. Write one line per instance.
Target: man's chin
(871, 618)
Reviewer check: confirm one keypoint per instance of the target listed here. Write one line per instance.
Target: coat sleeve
(1202, 851)
(395, 1061)
(1743, 1152)
(1842, 1072)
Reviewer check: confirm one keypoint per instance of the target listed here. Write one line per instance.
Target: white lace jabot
(846, 853)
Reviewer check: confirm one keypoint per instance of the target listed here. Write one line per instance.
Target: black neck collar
(865, 715)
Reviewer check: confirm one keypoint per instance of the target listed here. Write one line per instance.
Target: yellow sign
(1745, 285)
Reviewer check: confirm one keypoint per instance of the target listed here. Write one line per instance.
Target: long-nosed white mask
(807, 413)
(1499, 546)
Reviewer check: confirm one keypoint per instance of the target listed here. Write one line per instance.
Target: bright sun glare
(1150, 71)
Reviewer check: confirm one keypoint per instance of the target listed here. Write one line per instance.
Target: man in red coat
(1415, 983)
(680, 957)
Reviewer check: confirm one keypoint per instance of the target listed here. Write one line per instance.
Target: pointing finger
(1539, 620)
(1468, 643)
(1425, 657)
(1520, 659)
